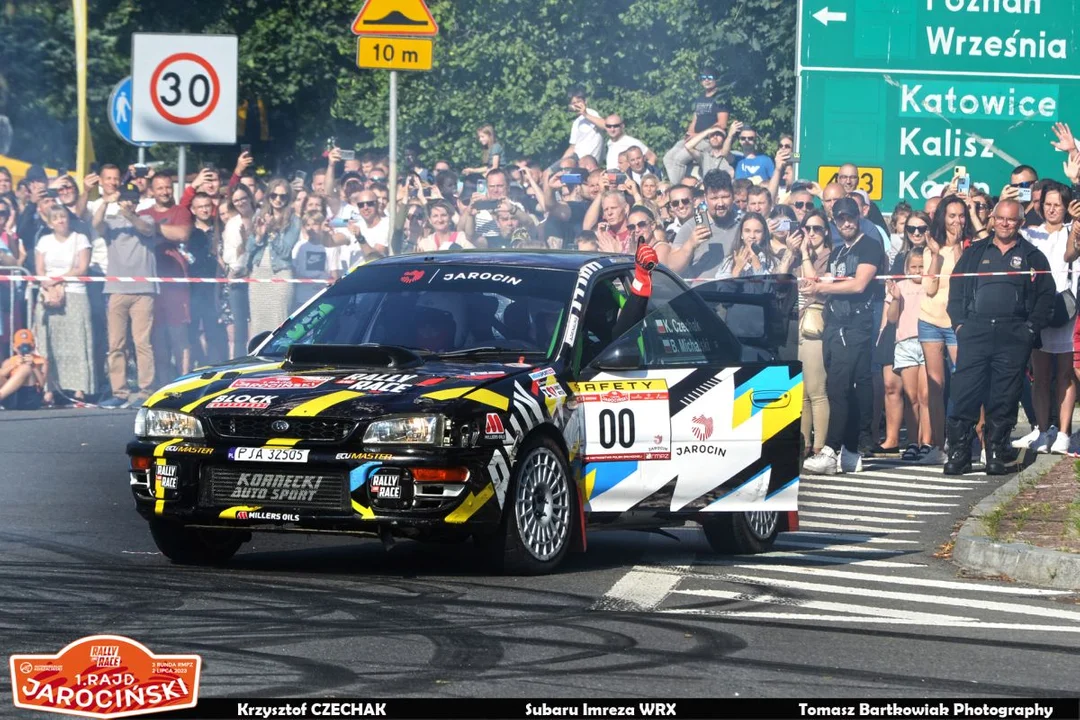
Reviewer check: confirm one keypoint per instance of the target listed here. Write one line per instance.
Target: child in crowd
(586, 242)
(23, 375)
(310, 258)
(903, 301)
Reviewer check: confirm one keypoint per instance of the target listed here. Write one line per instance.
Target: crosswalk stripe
(857, 518)
(803, 523)
(639, 590)
(863, 491)
(838, 548)
(868, 620)
(860, 537)
(864, 509)
(939, 479)
(872, 500)
(1016, 609)
(810, 557)
(853, 480)
(907, 580)
(848, 608)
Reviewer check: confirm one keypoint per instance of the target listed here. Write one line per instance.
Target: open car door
(761, 311)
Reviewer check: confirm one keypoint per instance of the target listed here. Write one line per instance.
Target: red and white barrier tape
(772, 278)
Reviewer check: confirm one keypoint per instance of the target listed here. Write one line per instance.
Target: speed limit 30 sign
(183, 88)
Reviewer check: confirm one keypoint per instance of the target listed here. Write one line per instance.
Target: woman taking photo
(238, 222)
(492, 156)
(442, 234)
(269, 247)
(949, 232)
(812, 245)
(62, 322)
(1052, 363)
(752, 253)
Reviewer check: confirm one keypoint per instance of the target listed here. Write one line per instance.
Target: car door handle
(770, 398)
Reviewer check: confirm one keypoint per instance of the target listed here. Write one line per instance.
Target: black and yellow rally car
(483, 394)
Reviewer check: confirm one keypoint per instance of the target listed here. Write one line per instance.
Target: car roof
(548, 259)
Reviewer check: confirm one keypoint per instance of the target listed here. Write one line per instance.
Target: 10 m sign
(390, 53)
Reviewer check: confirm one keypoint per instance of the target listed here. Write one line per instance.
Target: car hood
(268, 388)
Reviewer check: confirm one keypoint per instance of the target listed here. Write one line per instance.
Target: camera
(616, 178)
(488, 205)
(572, 179)
(142, 171)
(783, 225)
(129, 193)
(348, 154)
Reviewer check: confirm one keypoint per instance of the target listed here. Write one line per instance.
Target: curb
(975, 550)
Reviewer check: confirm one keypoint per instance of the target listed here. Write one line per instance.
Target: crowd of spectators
(715, 206)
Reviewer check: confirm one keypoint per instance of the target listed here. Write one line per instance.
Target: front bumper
(334, 491)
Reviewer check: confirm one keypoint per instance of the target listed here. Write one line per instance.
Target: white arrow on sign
(824, 16)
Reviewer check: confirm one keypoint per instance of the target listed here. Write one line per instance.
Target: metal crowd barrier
(13, 286)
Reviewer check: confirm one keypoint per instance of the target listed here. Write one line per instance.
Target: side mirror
(256, 341)
(623, 354)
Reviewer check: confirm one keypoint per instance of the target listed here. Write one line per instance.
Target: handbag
(812, 322)
(53, 297)
(1064, 306)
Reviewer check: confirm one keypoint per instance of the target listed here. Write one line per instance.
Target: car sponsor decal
(710, 449)
(105, 676)
(541, 374)
(276, 487)
(282, 382)
(412, 276)
(493, 277)
(167, 475)
(386, 485)
(363, 456)
(189, 449)
(482, 375)
(242, 401)
(263, 515)
(493, 426)
(553, 391)
(379, 382)
(625, 419)
(268, 454)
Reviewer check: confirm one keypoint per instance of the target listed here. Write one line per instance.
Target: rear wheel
(742, 533)
(196, 546)
(538, 514)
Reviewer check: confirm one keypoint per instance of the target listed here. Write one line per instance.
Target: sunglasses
(801, 204)
(915, 229)
(748, 138)
(612, 127)
(677, 203)
(279, 196)
(981, 206)
(708, 77)
(820, 229)
(367, 203)
(377, 179)
(786, 146)
(66, 188)
(643, 225)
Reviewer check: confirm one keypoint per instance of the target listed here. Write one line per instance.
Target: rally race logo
(105, 676)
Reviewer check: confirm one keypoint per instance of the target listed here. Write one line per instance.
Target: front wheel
(196, 546)
(538, 514)
(741, 533)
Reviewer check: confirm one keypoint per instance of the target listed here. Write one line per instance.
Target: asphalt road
(855, 605)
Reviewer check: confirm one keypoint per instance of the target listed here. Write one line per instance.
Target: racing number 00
(614, 430)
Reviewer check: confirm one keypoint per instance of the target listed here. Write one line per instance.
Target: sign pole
(393, 158)
(142, 155)
(181, 171)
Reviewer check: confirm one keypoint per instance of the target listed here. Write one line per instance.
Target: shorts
(933, 333)
(908, 354)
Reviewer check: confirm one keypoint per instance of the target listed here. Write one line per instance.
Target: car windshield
(461, 310)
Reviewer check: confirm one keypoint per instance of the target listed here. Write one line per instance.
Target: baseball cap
(863, 194)
(846, 206)
(24, 337)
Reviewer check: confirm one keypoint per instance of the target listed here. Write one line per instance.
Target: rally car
(482, 395)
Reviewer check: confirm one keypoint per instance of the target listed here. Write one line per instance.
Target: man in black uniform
(997, 322)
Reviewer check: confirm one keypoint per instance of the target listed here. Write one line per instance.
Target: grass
(992, 522)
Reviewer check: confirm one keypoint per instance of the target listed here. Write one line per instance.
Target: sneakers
(1045, 440)
(1027, 440)
(824, 463)
(849, 461)
(911, 454)
(113, 403)
(933, 456)
(1060, 446)
(136, 401)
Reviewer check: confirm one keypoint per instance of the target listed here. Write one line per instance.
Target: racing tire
(539, 512)
(195, 546)
(741, 533)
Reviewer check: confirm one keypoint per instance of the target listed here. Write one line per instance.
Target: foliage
(507, 62)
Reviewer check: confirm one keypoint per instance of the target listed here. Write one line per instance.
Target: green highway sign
(909, 90)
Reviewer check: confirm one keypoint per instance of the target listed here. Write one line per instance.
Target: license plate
(282, 455)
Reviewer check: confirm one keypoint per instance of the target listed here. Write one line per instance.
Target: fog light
(453, 475)
(142, 463)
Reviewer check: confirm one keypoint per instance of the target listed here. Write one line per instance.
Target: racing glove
(646, 260)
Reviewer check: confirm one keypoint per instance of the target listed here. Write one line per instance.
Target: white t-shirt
(429, 243)
(1053, 246)
(234, 245)
(586, 137)
(615, 147)
(376, 236)
(60, 256)
(310, 261)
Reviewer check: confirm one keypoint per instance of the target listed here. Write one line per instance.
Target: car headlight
(411, 429)
(150, 423)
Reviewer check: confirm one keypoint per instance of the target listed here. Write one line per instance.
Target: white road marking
(863, 492)
(904, 580)
(855, 537)
(840, 526)
(639, 590)
(977, 625)
(926, 618)
(857, 518)
(809, 557)
(951, 480)
(852, 480)
(836, 548)
(860, 508)
(1016, 609)
(879, 501)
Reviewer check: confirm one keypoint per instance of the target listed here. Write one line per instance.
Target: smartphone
(784, 225)
(245, 149)
(142, 171)
(338, 222)
(481, 187)
(616, 178)
(348, 154)
(963, 182)
(488, 205)
(1023, 192)
(572, 179)
(795, 157)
